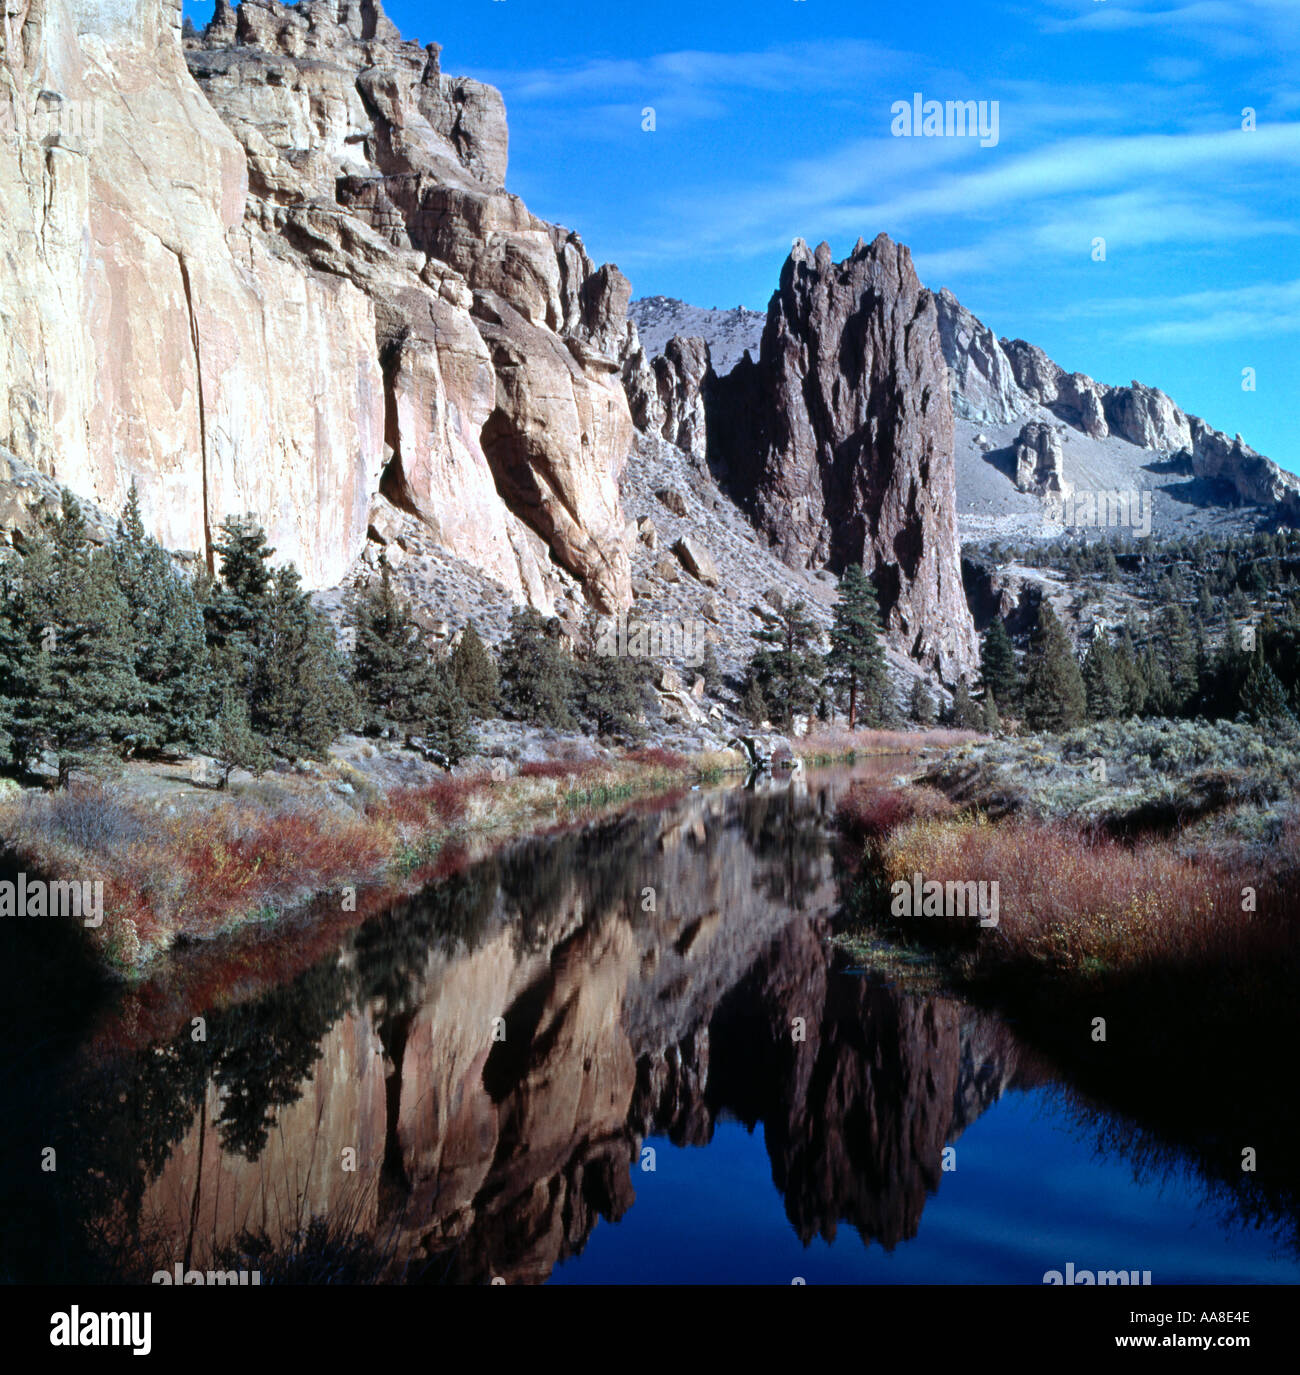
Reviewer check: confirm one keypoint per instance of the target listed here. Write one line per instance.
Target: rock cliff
(278, 273)
(838, 440)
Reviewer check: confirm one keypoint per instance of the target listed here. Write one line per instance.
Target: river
(625, 1052)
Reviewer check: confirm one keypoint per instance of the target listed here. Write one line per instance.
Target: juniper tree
(537, 671)
(1178, 657)
(1263, 698)
(1054, 696)
(788, 669)
(76, 686)
(1102, 683)
(299, 699)
(963, 713)
(389, 664)
(856, 661)
(998, 663)
(169, 644)
(610, 690)
(989, 714)
(474, 672)
(921, 705)
(235, 600)
(710, 670)
(233, 741)
(752, 705)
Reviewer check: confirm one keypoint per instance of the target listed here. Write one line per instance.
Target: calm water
(627, 1053)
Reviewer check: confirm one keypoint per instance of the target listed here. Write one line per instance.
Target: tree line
(114, 647)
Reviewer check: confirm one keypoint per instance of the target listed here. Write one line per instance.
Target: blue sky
(1117, 119)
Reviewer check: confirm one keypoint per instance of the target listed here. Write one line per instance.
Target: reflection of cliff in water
(646, 972)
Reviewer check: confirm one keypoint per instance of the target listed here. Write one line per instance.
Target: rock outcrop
(838, 441)
(313, 286)
(1040, 461)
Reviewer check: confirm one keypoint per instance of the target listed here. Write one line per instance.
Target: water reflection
(470, 1080)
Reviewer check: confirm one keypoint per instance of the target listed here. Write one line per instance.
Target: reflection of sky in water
(1030, 1192)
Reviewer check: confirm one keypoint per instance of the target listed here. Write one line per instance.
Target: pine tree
(788, 669)
(300, 700)
(610, 690)
(168, 641)
(1101, 680)
(76, 687)
(537, 671)
(1263, 698)
(1054, 694)
(998, 663)
(474, 672)
(921, 705)
(856, 661)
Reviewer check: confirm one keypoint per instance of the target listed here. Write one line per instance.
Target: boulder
(697, 560)
(672, 499)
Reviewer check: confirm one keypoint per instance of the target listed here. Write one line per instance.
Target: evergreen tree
(75, 686)
(921, 705)
(963, 713)
(537, 671)
(235, 744)
(1054, 693)
(399, 688)
(752, 705)
(474, 672)
(1179, 658)
(611, 690)
(168, 640)
(998, 663)
(788, 669)
(710, 670)
(1160, 697)
(235, 602)
(300, 700)
(989, 719)
(1101, 680)
(1263, 698)
(856, 661)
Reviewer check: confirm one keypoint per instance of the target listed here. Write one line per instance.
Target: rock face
(996, 381)
(1040, 462)
(666, 393)
(838, 441)
(312, 287)
(984, 387)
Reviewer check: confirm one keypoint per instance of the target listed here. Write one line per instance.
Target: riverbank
(181, 861)
(1157, 964)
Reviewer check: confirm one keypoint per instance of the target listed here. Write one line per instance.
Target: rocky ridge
(997, 381)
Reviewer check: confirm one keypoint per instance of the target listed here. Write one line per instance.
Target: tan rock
(697, 560)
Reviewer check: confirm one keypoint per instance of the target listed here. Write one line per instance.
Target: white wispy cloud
(1252, 311)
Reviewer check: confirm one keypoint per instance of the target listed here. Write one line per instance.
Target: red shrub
(655, 757)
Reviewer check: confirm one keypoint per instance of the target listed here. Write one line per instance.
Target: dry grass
(1073, 900)
(206, 870)
(838, 742)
